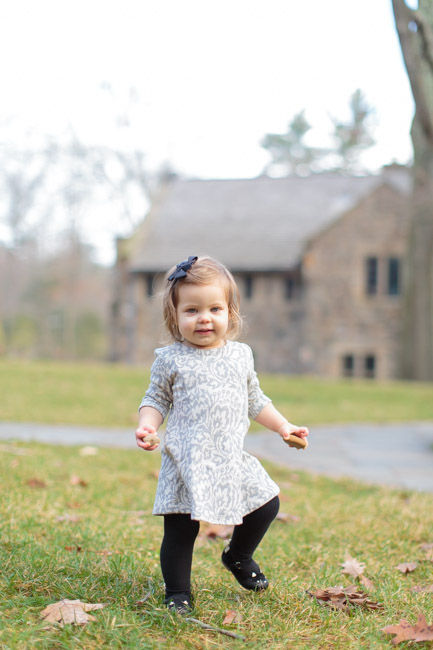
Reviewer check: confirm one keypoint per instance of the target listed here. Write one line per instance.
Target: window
(290, 288)
(370, 366)
(348, 365)
(248, 286)
(371, 276)
(393, 276)
(149, 285)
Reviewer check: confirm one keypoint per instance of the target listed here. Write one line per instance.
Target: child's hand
(287, 429)
(143, 431)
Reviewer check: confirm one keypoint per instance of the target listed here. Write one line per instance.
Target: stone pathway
(399, 455)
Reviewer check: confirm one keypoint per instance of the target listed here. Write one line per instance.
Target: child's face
(202, 315)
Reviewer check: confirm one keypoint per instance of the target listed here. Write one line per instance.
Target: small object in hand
(296, 442)
(152, 438)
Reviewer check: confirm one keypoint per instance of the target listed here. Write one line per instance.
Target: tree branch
(417, 51)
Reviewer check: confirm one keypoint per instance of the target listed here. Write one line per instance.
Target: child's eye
(191, 310)
(216, 308)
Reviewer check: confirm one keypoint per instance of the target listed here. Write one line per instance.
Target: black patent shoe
(179, 603)
(246, 572)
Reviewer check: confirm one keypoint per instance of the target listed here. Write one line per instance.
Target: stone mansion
(318, 261)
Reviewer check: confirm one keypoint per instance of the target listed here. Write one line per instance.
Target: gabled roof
(249, 225)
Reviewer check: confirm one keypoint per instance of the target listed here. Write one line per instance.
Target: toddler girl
(207, 385)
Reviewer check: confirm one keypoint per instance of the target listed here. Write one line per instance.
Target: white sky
(212, 78)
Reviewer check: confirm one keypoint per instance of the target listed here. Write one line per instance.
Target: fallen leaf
(407, 567)
(404, 631)
(88, 451)
(36, 483)
(352, 567)
(78, 549)
(214, 531)
(76, 480)
(343, 597)
(232, 617)
(70, 612)
(419, 589)
(366, 582)
(74, 504)
(285, 517)
(426, 547)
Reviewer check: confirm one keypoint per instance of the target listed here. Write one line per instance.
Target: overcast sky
(210, 78)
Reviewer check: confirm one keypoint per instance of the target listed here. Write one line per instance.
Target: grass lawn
(108, 395)
(95, 540)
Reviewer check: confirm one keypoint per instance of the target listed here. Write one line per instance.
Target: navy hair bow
(182, 268)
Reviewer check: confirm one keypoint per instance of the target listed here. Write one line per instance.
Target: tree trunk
(415, 31)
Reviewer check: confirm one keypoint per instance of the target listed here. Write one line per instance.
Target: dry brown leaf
(36, 483)
(420, 590)
(407, 567)
(352, 567)
(214, 531)
(232, 617)
(76, 480)
(285, 517)
(78, 549)
(343, 597)
(70, 612)
(366, 582)
(74, 504)
(404, 631)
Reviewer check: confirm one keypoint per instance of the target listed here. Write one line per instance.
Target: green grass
(44, 560)
(107, 395)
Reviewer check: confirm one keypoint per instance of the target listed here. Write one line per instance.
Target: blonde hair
(204, 271)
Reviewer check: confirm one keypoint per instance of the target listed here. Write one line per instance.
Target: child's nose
(204, 316)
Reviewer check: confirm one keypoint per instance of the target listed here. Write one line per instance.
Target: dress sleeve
(257, 400)
(159, 395)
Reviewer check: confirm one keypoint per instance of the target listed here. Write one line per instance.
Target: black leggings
(180, 532)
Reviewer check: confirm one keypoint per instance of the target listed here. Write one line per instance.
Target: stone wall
(341, 318)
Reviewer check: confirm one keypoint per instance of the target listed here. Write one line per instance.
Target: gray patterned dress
(209, 396)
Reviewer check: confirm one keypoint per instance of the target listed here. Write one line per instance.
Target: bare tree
(415, 31)
(55, 187)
